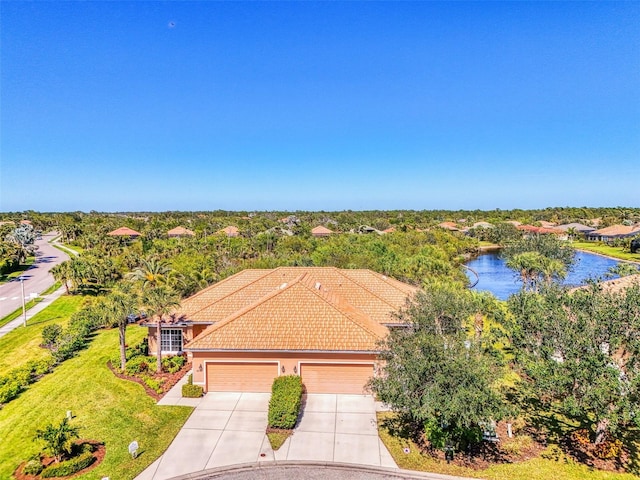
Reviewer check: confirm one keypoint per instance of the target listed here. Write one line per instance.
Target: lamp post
(24, 307)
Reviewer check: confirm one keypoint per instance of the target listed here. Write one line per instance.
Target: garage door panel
(336, 378)
(240, 376)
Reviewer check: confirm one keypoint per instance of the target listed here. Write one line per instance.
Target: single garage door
(336, 377)
(240, 376)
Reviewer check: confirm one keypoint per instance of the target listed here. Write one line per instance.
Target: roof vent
(283, 286)
(318, 285)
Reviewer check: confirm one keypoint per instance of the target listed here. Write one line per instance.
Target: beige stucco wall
(289, 361)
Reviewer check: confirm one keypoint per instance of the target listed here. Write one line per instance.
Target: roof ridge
(268, 270)
(365, 287)
(336, 300)
(216, 326)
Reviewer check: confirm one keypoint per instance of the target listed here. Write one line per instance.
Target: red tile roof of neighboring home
(298, 315)
(449, 225)
(374, 294)
(180, 231)
(389, 230)
(617, 230)
(541, 230)
(230, 231)
(124, 232)
(320, 230)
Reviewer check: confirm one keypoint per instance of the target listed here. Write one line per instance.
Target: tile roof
(124, 232)
(320, 230)
(178, 231)
(449, 226)
(578, 227)
(297, 315)
(375, 294)
(617, 231)
(534, 229)
(230, 231)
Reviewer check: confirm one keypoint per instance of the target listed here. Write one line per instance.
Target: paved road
(37, 278)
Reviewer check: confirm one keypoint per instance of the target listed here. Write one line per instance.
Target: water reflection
(496, 278)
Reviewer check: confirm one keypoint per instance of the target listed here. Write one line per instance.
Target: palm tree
(62, 274)
(118, 305)
(58, 438)
(151, 273)
(158, 302)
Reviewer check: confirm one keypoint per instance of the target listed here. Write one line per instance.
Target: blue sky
(131, 106)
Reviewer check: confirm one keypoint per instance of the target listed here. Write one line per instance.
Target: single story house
(124, 232)
(576, 227)
(322, 323)
(320, 232)
(614, 231)
(180, 232)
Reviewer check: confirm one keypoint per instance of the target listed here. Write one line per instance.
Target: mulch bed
(98, 455)
(170, 379)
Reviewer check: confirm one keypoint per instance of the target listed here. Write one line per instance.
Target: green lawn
(604, 249)
(106, 408)
(539, 468)
(18, 311)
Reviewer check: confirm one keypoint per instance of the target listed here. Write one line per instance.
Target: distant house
(533, 230)
(545, 224)
(367, 229)
(230, 231)
(576, 227)
(124, 232)
(515, 223)
(320, 232)
(25, 222)
(614, 231)
(389, 230)
(451, 226)
(180, 232)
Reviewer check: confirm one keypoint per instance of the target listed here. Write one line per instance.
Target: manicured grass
(557, 466)
(276, 439)
(18, 311)
(66, 248)
(23, 344)
(604, 249)
(105, 408)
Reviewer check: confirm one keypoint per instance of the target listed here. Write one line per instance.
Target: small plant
(58, 439)
(50, 335)
(153, 384)
(173, 364)
(33, 467)
(189, 390)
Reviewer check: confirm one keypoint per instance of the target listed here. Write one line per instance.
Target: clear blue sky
(128, 106)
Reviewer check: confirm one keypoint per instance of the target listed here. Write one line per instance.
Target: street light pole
(24, 307)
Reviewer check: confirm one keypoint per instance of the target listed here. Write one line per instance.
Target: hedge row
(284, 405)
(17, 380)
(69, 467)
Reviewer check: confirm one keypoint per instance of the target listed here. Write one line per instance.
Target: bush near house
(189, 390)
(284, 405)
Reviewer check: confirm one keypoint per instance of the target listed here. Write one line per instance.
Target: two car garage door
(317, 377)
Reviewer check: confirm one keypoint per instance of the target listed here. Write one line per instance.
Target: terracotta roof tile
(125, 232)
(180, 231)
(300, 315)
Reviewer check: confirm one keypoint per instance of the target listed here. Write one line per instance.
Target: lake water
(496, 278)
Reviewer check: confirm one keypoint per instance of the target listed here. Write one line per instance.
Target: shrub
(139, 364)
(154, 384)
(50, 335)
(191, 391)
(69, 467)
(173, 364)
(32, 467)
(9, 390)
(284, 405)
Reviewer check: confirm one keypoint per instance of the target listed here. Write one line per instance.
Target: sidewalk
(37, 308)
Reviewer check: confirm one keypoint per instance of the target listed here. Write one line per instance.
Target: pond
(496, 278)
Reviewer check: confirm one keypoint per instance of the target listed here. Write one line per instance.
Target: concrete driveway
(229, 429)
